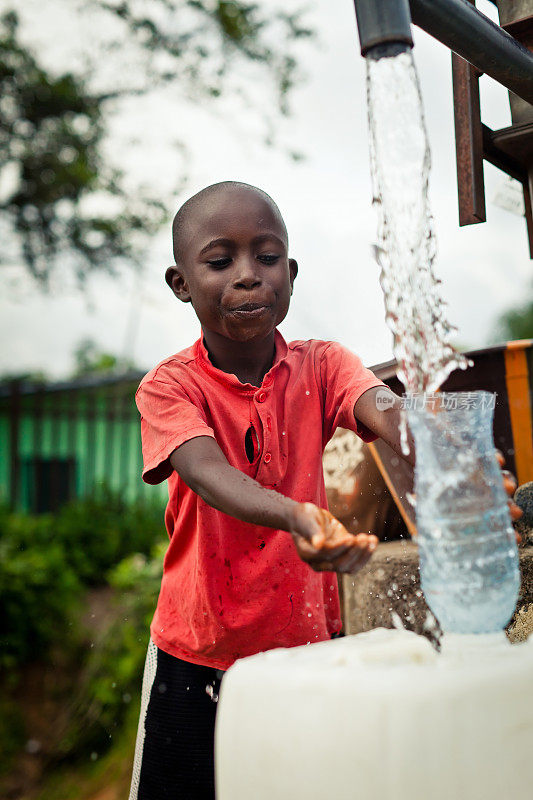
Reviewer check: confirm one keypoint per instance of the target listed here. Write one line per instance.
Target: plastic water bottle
(469, 569)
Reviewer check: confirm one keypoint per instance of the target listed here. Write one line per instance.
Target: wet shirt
(231, 589)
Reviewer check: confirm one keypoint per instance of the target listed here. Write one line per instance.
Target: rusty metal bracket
(468, 142)
(510, 149)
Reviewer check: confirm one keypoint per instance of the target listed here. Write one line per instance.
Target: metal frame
(478, 46)
(510, 149)
(458, 25)
(476, 38)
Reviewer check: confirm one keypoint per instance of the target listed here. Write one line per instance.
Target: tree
(198, 42)
(517, 323)
(53, 127)
(90, 360)
(51, 132)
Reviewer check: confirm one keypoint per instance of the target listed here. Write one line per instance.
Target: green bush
(38, 593)
(46, 560)
(12, 731)
(53, 569)
(98, 533)
(113, 669)
(95, 533)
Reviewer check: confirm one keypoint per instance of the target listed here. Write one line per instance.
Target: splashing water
(400, 163)
(468, 556)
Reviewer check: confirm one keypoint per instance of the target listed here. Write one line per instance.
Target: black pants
(176, 758)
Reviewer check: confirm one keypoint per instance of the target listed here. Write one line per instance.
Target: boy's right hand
(325, 544)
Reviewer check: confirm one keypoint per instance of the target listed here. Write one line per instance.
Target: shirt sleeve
(344, 379)
(168, 419)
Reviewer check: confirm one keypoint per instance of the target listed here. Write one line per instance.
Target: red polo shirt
(231, 589)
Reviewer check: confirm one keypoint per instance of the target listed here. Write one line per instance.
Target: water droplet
(430, 623)
(396, 621)
(211, 692)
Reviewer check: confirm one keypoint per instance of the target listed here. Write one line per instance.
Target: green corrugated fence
(61, 441)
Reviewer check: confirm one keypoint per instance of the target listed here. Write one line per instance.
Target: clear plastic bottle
(468, 554)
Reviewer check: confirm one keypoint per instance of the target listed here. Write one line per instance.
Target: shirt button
(268, 458)
(261, 397)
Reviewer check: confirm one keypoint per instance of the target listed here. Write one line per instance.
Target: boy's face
(234, 267)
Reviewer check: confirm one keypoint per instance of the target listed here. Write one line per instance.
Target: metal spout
(382, 24)
(455, 23)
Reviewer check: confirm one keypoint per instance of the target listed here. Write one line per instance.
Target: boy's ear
(293, 270)
(175, 278)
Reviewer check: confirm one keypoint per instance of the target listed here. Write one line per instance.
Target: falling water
(400, 163)
(468, 555)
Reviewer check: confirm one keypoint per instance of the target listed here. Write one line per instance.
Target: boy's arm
(320, 539)
(379, 409)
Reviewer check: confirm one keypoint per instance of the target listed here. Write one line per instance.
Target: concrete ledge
(386, 593)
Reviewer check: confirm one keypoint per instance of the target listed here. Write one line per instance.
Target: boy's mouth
(250, 310)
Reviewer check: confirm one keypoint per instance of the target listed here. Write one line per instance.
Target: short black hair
(183, 213)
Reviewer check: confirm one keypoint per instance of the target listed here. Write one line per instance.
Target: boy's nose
(247, 276)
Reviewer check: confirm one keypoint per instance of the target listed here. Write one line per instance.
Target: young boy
(237, 423)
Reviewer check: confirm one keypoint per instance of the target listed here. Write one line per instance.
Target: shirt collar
(281, 350)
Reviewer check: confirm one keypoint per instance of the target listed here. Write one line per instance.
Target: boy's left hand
(325, 544)
(509, 484)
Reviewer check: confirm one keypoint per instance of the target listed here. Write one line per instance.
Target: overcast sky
(326, 203)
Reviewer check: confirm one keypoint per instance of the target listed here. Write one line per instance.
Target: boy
(237, 423)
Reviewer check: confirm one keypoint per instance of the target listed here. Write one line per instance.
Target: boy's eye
(268, 258)
(219, 263)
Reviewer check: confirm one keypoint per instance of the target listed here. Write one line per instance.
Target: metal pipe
(382, 23)
(455, 23)
(475, 37)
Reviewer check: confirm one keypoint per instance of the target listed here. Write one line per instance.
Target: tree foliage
(61, 200)
(198, 42)
(517, 323)
(89, 359)
(51, 134)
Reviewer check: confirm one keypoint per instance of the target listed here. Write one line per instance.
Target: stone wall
(386, 593)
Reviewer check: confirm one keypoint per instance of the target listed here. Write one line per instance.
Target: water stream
(468, 555)
(400, 163)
